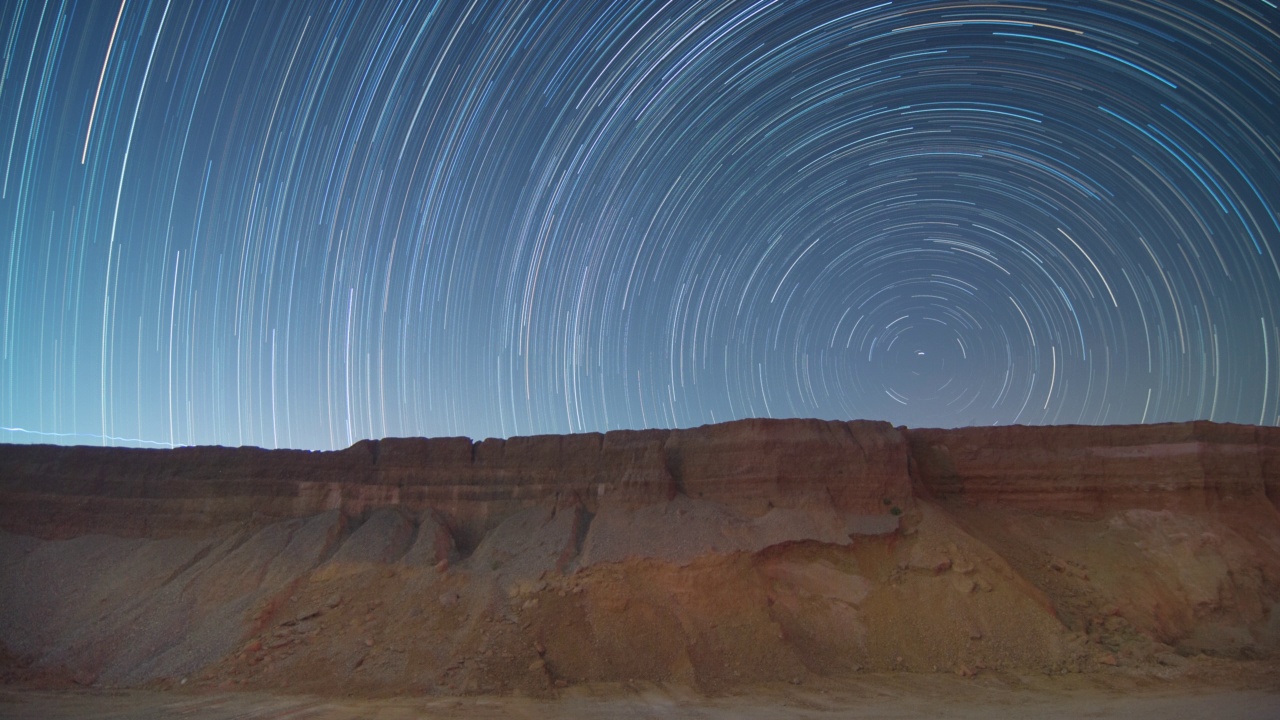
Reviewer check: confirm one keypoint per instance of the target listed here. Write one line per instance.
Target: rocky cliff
(1093, 469)
(750, 466)
(716, 556)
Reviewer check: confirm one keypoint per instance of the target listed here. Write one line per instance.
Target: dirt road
(879, 696)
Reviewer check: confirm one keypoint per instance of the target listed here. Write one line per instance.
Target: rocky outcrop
(749, 465)
(857, 470)
(1089, 469)
(1165, 532)
(727, 554)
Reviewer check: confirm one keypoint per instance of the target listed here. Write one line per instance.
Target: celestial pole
(303, 224)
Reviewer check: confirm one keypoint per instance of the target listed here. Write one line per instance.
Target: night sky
(301, 224)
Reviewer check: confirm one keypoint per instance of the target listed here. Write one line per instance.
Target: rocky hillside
(715, 557)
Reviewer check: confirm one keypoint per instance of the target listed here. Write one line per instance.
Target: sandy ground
(1253, 694)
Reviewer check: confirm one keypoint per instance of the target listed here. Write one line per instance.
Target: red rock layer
(1080, 468)
(749, 465)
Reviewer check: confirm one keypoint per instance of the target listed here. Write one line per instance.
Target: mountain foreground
(720, 559)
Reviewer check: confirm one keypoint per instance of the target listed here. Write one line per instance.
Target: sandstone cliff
(721, 555)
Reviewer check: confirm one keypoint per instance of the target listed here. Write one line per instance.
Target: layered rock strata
(727, 554)
(750, 466)
(1088, 469)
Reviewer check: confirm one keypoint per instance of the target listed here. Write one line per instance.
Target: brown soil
(1239, 691)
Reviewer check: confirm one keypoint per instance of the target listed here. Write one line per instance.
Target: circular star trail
(302, 224)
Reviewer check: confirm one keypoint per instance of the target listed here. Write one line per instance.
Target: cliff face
(1092, 469)
(732, 553)
(750, 466)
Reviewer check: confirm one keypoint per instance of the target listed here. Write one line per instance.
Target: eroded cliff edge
(726, 554)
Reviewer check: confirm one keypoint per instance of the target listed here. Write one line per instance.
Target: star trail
(302, 224)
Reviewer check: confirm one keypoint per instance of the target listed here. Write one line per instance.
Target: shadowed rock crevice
(673, 463)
